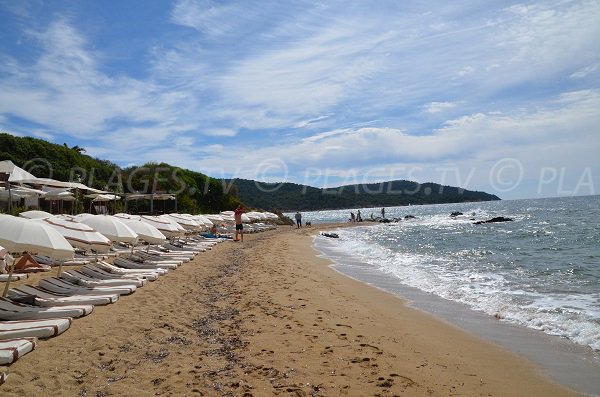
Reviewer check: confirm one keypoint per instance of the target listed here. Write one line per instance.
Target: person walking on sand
(239, 227)
(298, 217)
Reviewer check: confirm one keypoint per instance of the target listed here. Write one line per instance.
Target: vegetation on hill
(292, 197)
(196, 192)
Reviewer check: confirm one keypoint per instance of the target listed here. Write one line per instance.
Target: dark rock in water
(494, 220)
(456, 213)
(410, 217)
(385, 220)
(330, 235)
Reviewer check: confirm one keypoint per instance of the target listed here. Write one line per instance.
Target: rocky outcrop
(495, 220)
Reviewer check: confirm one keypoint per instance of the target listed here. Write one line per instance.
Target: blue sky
(497, 96)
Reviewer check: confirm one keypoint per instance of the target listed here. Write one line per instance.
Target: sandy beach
(268, 317)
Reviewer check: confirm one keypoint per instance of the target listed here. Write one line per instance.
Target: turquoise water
(541, 271)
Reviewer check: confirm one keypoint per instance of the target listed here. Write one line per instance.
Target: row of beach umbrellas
(42, 233)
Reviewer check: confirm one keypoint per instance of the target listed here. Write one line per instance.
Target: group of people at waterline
(353, 217)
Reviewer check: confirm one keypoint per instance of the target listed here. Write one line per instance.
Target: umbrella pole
(59, 268)
(10, 273)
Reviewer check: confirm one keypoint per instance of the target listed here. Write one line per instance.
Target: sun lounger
(10, 310)
(187, 249)
(3, 374)
(74, 262)
(127, 264)
(56, 285)
(170, 264)
(39, 297)
(155, 259)
(181, 256)
(15, 277)
(80, 278)
(13, 349)
(97, 272)
(42, 329)
(121, 270)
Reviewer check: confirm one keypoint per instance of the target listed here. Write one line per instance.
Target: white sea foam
(538, 271)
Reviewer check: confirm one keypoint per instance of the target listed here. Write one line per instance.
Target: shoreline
(266, 317)
(570, 364)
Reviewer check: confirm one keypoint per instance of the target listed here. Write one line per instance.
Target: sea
(531, 284)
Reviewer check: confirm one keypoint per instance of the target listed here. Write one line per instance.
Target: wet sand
(268, 317)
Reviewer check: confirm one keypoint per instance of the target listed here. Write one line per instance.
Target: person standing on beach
(298, 217)
(352, 217)
(383, 213)
(358, 216)
(239, 227)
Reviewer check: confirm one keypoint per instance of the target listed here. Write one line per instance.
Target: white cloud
(585, 71)
(466, 71)
(219, 132)
(204, 15)
(437, 107)
(473, 141)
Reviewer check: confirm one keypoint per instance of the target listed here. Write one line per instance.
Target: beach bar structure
(21, 187)
(152, 197)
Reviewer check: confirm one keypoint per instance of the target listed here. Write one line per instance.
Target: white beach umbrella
(35, 214)
(112, 228)
(246, 218)
(25, 235)
(228, 218)
(254, 216)
(166, 226)
(227, 213)
(127, 216)
(145, 231)
(79, 234)
(204, 220)
(83, 215)
(214, 217)
(185, 222)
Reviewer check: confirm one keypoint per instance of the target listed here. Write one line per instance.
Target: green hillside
(292, 197)
(195, 192)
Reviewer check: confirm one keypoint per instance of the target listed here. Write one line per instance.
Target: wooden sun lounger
(10, 310)
(42, 329)
(13, 349)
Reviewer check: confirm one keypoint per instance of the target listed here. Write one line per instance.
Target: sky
(496, 96)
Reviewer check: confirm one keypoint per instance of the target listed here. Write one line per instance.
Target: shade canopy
(26, 235)
(112, 228)
(79, 234)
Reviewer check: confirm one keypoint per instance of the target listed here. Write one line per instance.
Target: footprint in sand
(343, 325)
